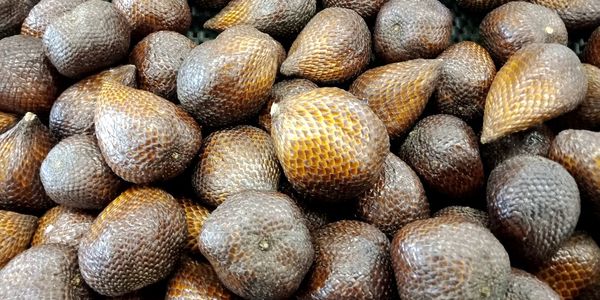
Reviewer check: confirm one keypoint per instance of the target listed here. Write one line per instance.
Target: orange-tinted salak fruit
(43, 13)
(591, 53)
(587, 114)
(147, 16)
(524, 286)
(16, 231)
(196, 280)
(195, 215)
(280, 91)
(577, 14)
(365, 8)
(62, 225)
(7, 121)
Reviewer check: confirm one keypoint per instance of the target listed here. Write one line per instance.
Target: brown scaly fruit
(233, 160)
(314, 217)
(468, 214)
(365, 8)
(148, 16)
(524, 286)
(280, 91)
(534, 205)
(481, 6)
(91, 37)
(280, 18)
(195, 215)
(122, 253)
(443, 150)
(516, 24)
(538, 83)
(12, 14)
(16, 231)
(28, 82)
(397, 198)
(7, 121)
(448, 258)
(62, 225)
(44, 13)
(407, 29)
(196, 281)
(258, 244)
(226, 81)
(331, 145)
(352, 261)
(466, 76)
(22, 150)
(44, 272)
(577, 14)
(158, 58)
(151, 141)
(333, 47)
(73, 111)
(591, 53)
(587, 114)
(398, 93)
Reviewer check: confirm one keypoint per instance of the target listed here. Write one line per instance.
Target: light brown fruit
(7, 121)
(591, 53)
(587, 114)
(481, 6)
(465, 213)
(44, 13)
(12, 14)
(365, 8)
(16, 231)
(195, 215)
(278, 93)
(524, 286)
(196, 281)
(148, 16)
(62, 225)
(577, 14)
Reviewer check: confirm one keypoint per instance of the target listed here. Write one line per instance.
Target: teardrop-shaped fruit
(27, 80)
(135, 241)
(331, 145)
(62, 225)
(91, 37)
(280, 91)
(481, 6)
(577, 14)
(44, 13)
(333, 47)
(352, 261)
(448, 258)
(468, 214)
(280, 18)
(591, 53)
(524, 286)
(195, 216)
(7, 121)
(196, 281)
(16, 231)
(148, 16)
(158, 57)
(73, 111)
(22, 150)
(407, 29)
(399, 92)
(534, 141)
(365, 8)
(587, 114)
(258, 244)
(516, 24)
(151, 141)
(233, 160)
(443, 150)
(533, 205)
(538, 83)
(226, 80)
(12, 14)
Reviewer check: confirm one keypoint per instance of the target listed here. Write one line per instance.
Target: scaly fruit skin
(148, 16)
(314, 217)
(12, 14)
(333, 47)
(352, 261)
(258, 244)
(226, 80)
(443, 150)
(196, 281)
(195, 216)
(577, 14)
(62, 225)
(44, 13)
(233, 160)
(27, 80)
(280, 91)
(465, 213)
(399, 92)
(16, 231)
(407, 29)
(331, 145)
(365, 8)
(587, 114)
(121, 253)
(524, 286)
(533, 205)
(514, 25)
(7, 121)
(538, 83)
(449, 258)
(591, 53)
(22, 150)
(480, 5)
(151, 141)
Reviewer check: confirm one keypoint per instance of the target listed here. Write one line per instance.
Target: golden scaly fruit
(43, 13)
(365, 8)
(280, 91)
(195, 215)
(7, 121)
(62, 225)
(196, 280)
(587, 114)
(16, 231)
(147, 16)
(591, 53)
(577, 14)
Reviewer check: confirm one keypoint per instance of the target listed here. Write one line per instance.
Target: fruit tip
(29, 116)
(274, 109)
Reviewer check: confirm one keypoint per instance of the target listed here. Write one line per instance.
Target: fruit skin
(538, 83)
(263, 234)
(407, 29)
(331, 145)
(16, 231)
(534, 205)
(28, 82)
(148, 16)
(91, 37)
(365, 8)
(22, 150)
(151, 141)
(465, 213)
(196, 281)
(448, 258)
(7, 121)
(195, 216)
(233, 160)
(43, 13)
(333, 47)
(280, 91)
(62, 225)
(587, 114)
(591, 53)
(577, 14)
(12, 14)
(524, 286)
(122, 253)
(480, 5)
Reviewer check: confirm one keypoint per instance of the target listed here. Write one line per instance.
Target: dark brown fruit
(196, 281)
(480, 5)
(592, 292)
(333, 47)
(279, 92)
(73, 111)
(233, 160)
(16, 231)
(516, 24)
(151, 141)
(22, 150)
(62, 225)
(330, 144)
(314, 217)
(7, 121)
(591, 52)
(91, 37)
(158, 58)
(365, 8)
(148, 16)
(577, 14)
(27, 80)
(226, 80)
(587, 114)
(465, 213)
(538, 83)
(44, 13)
(136, 241)
(258, 244)
(407, 29)
(533, 205)
(399, 92)
(12, 14)
(524, 286)
(448, 258)
(195, 215)
(211, 4)
(443, 150)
